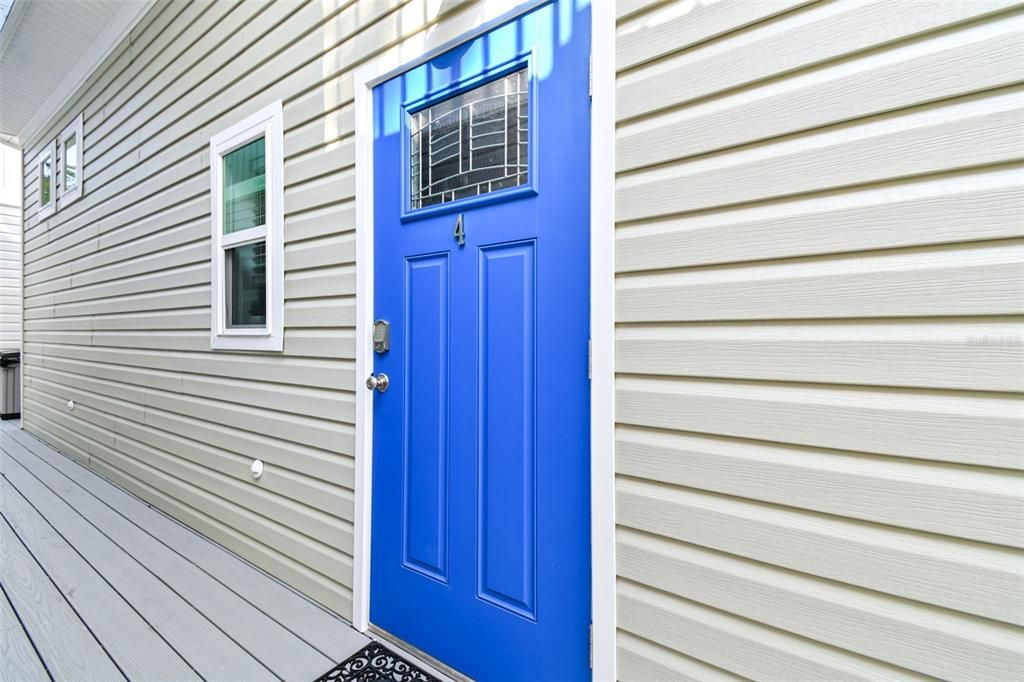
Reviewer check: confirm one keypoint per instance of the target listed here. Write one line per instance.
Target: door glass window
(470, 144)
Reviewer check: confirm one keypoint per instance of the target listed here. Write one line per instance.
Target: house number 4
(460, 233)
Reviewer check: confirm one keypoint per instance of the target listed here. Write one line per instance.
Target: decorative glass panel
(470, 144)
(70, 162)
(45, 180)
(247, 285)
(245, 181)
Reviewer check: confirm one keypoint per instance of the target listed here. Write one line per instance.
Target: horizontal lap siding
(818, 346)
(117, 285)
(10, 248)
(10, 282)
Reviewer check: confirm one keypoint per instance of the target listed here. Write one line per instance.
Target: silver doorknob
(378, 381)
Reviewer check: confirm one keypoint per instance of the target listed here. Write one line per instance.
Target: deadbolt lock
(381, 336)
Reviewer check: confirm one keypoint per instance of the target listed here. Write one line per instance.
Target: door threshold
(417, 656)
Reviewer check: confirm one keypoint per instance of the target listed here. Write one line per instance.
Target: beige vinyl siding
(10, 247)
(117, 285)
(819, 355)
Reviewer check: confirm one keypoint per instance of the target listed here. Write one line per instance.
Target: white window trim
(75, 128)
(48, 152)
(269, 124)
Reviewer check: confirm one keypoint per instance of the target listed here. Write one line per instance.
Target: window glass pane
(470, 144)
(246, 275)
(45, 180)
(245, 200)
(70, 162)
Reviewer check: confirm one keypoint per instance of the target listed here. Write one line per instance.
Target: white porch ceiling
(43, 43)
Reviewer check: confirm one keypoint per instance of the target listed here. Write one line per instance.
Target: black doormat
(376, 662)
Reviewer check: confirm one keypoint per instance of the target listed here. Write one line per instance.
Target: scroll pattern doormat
(375, 663)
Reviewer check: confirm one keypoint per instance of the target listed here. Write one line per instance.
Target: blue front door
(481, 479)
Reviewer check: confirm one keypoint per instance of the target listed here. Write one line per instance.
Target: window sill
(247, 342)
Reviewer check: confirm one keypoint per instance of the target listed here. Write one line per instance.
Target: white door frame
(412, 51)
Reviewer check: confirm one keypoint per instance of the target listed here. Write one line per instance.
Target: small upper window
(470, 144)
(71, 147)
(246, 172)
(47, 182)
(60, 169)
(70, 163)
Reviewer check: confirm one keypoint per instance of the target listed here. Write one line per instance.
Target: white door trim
(602, 334)
(416, 49)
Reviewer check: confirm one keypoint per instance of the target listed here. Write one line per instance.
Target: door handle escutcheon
(378, 381)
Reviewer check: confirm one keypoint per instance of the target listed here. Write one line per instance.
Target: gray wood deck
(98, 585)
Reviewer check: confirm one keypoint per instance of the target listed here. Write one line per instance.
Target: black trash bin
(10, 385)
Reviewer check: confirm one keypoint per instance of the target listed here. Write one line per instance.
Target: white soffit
(47, 48)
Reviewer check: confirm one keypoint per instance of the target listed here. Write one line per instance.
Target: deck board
(145, 655)
(207, 648)
(18, 659)
(324, 631)
(200, 608)
(70, 650)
